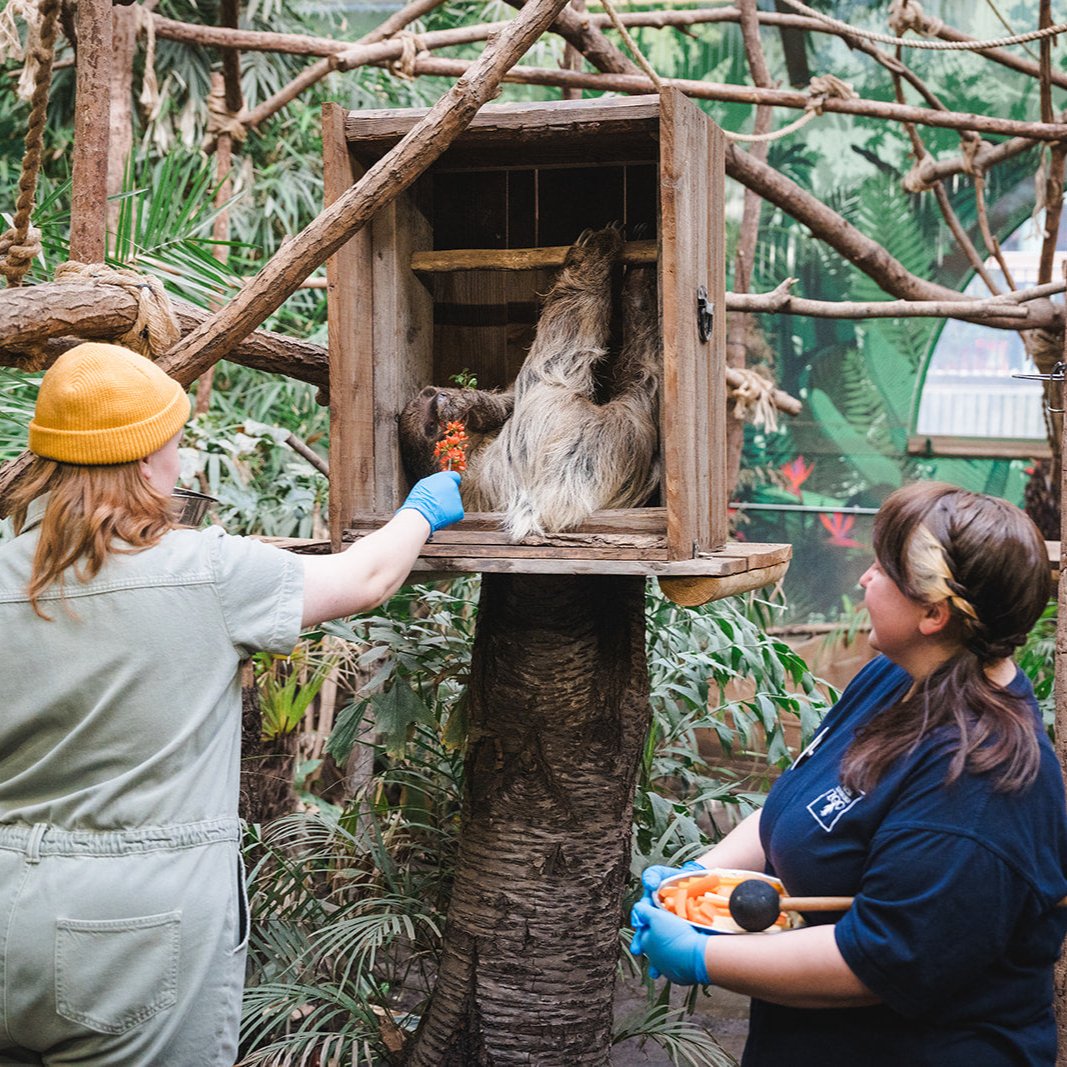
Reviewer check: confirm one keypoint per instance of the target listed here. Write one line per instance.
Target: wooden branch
(1053, 192)
(382, 183)
(868, 255)
(408, 14)
(585, 36)
(92, 127)
(572, 57)
(362, 55)
(987, 156)
(639, 84)
(900, 74)
(246, 40)
(306, 452)
(52, 317)
(229, 11)
(963, 238)
(311, 74)
(582, 32)
(750, 214)
(784, 304)
(1045, 65)
(741, 330)
(991, 242)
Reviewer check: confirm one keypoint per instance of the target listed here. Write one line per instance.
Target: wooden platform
(624, 541)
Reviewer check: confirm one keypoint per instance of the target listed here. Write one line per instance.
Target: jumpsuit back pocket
(113, 974)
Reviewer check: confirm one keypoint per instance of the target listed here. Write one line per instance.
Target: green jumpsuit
(122, 914)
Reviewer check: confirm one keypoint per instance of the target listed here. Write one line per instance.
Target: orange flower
(451, 450)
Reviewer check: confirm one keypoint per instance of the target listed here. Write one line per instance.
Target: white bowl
(725, 924)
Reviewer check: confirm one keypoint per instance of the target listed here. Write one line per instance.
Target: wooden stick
(815, 903)
(382, 183)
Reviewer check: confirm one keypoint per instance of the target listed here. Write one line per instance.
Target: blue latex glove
(674, 948)
(436, 499)
(652, 877)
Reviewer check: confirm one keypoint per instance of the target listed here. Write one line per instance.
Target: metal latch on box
(705, 314)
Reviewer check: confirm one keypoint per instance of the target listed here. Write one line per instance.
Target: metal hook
(1057, 374)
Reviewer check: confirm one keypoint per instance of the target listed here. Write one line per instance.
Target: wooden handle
(816, 903)
(835, 903)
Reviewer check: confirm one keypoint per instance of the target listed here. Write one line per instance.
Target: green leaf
(396, 712)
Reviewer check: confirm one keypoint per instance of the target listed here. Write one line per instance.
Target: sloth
(578, 430)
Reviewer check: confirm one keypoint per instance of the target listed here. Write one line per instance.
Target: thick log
(49, 318)
(397, 170)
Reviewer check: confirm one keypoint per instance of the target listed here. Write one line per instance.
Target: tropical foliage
(348, 895)
(348, 900)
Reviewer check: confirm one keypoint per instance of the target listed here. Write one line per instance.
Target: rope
(149, 98)
(156, 327)
(220, 120)
(754, 399)
(942, 46)
(820, 89)
(410, 47)
(21, 243)
(11, 43)
(631, 44)
(907, 15)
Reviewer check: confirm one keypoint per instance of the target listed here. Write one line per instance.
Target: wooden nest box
(445, 281)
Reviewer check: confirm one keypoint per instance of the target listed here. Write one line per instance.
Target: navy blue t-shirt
(955, 925)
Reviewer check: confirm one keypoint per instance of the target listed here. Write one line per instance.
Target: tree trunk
(559, 713)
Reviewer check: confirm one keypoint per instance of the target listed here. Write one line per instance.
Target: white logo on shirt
(828, 807)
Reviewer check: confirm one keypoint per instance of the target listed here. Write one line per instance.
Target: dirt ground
(723, 1014)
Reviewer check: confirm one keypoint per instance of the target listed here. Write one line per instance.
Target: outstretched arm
(369, 572)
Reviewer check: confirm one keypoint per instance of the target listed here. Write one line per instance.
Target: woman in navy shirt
(932, 795)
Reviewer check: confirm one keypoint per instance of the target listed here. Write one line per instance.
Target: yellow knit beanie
(102, 404)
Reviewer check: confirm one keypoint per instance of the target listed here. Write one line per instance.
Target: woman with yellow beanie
(122, 914)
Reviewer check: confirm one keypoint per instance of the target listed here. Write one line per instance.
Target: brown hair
(987, 561)
(92, 511)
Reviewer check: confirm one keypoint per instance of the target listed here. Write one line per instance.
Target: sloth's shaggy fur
(579, 431)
